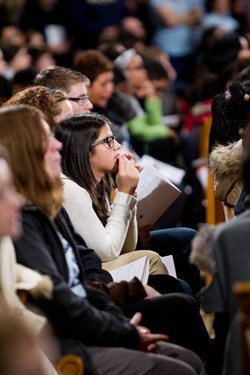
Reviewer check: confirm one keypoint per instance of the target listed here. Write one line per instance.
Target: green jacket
(149, 127)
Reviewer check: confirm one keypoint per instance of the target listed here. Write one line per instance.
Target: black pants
(176, 315)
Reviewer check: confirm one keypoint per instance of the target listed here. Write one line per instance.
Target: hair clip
(50, 90)
(246, 97)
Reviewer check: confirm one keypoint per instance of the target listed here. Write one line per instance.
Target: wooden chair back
(214, 208)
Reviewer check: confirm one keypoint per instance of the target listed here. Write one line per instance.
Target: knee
(156, 266)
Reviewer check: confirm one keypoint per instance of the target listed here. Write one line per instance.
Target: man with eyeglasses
(75, 84)
(71, 81)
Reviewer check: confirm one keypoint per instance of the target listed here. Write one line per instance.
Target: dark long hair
(231, 114)
(77, 133)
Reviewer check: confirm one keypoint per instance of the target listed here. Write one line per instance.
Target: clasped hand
(127, 176)
(147, 340)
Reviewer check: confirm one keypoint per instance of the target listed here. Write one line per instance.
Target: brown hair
(25, 138)
(92, 63)
(42, 98)
(57, 77)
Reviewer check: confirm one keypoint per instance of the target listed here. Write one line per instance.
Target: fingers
(127, 176)
(158, 337)
(136, 319)
(129, 156)
(138, 167)
(143, 329)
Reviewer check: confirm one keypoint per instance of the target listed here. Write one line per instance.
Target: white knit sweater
(119, 236)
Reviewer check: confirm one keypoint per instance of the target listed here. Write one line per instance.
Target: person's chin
(57, 171)
(103, 103)
(115, 168)
(17, 229)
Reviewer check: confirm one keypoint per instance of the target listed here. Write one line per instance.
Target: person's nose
(117, 145)
(57, 145)
(88, 105)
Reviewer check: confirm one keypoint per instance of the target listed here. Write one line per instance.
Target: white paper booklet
(173, 173)
(155, 194)
(138, 268)
(168, 261)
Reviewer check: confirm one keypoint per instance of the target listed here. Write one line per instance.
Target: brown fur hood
(226, 160)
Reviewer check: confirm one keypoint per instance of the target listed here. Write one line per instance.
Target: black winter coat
(94, 320)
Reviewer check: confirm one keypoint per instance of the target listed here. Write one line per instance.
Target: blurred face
(44, 61)
(221, 5)
(66, 110)
(76, 92)
(22, 60)
(160, 85)
(135, 26)
(103, 159)
(136, 72)
(52, 157)
(10, 204)
(101, 89)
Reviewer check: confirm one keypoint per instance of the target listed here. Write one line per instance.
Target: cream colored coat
(14, 276)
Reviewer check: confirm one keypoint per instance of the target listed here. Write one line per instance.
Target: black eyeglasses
(110, 141)
(80, 100)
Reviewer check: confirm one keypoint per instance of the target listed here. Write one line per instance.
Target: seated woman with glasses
(90, 154)
(94, 155)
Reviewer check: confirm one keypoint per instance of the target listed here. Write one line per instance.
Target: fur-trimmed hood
(226, 160)
(225, 165)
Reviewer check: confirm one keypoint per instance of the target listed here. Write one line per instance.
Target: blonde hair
(25, 138)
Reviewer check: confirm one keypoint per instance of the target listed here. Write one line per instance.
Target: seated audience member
(14, 277)
(53, 103)
(218, 15)
(17, 58)
(22, 79)
(87, 178)
(72, 82)
(226, 256)
(117, 229)
(42, 58)
(147, 131)
(157, 54)
(99, 69)
(231, 116)
(77, 311)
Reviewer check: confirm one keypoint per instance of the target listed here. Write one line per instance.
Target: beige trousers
(156, 266)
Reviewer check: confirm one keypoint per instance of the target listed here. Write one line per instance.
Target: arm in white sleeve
(107, 241)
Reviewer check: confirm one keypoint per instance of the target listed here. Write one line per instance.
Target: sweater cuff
(125, 199)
